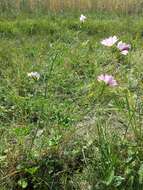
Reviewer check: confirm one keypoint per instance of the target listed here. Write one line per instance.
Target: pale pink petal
(101, 78)
(109, 41)
(113, 83)
(124, 52)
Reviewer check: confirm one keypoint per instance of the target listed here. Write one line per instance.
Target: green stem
(50, 72)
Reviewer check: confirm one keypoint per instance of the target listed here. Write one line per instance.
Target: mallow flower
(82, 18)
(109, 41)
(34, 75)
(123, 47)
(107, 79)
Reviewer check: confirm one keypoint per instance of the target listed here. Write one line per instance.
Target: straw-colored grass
(56, 5)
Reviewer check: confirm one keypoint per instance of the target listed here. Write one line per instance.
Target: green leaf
(32, 170)
(140, 173)
(118, 180)
(109, 177)
(23, 183)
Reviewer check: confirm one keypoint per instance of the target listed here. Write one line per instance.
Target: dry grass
(55, 5)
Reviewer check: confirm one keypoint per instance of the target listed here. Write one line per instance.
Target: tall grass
(126, 6)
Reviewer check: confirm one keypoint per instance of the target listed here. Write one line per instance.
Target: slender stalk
(50, 73)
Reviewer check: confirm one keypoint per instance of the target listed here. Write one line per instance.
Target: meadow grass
(67, 130)
(122, 6)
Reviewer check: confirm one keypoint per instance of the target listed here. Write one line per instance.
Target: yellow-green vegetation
(128, 6)
(61, 128)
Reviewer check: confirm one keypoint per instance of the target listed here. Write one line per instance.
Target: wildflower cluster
(109, 42)
(124, 50)
(121, 46)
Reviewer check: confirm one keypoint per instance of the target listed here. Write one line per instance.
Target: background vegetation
(127, 6)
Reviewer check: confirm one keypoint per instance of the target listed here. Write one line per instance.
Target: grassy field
(126, 6)
(63, 129)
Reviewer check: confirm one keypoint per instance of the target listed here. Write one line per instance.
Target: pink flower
(109, 41)
(125, 52)
(123, 47)
(107, 79)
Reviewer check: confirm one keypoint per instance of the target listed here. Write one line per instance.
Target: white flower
(82, 18)
(34, 75)
(109, 41)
